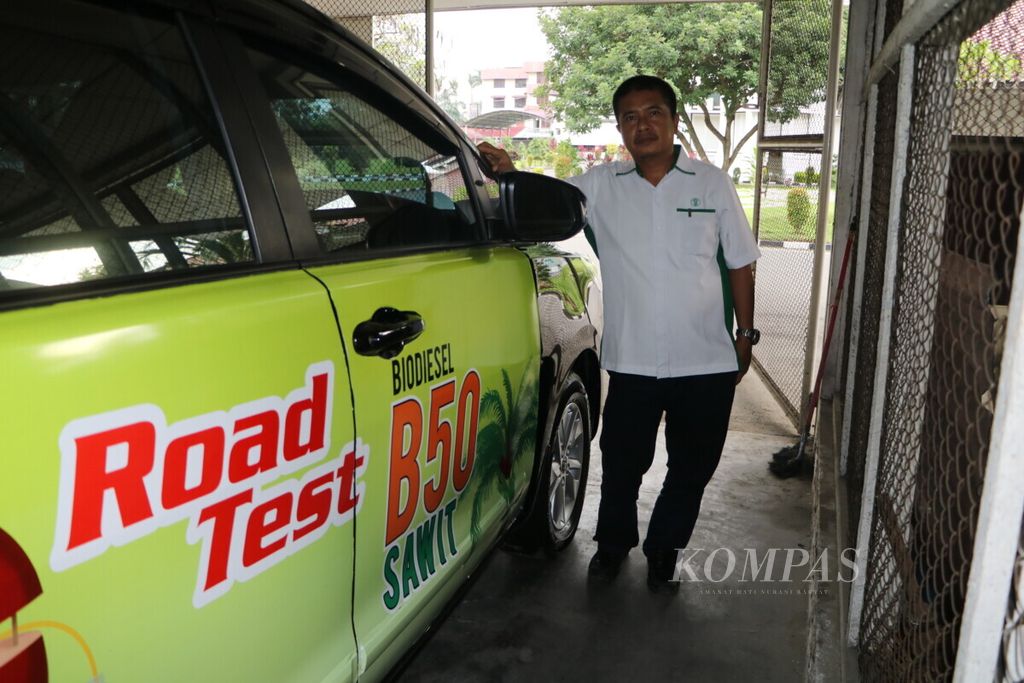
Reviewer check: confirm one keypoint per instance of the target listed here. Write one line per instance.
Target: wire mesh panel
(800, 31)
(874, 270)
(957, 244)
(1011, 655)
(795, 91)
(395, 28)
(784, 272)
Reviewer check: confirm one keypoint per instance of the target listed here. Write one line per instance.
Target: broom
(790, 461)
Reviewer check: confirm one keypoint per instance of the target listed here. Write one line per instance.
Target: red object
(23, 661)
(19, 583)
(28, 663)
(832, 313)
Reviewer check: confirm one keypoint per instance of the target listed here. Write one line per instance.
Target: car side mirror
(537, 208)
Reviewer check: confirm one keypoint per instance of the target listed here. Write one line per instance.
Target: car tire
(562, 478)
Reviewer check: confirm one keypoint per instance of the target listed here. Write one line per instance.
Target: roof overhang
(444, 5)
(501, 118)
(385, 7)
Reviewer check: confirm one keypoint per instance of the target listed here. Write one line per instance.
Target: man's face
(646, 124)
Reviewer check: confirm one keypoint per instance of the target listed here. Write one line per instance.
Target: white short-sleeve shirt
(664, 303)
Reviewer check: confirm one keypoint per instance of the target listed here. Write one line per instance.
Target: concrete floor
(536, 618)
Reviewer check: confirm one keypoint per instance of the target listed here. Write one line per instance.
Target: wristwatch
(751, 333)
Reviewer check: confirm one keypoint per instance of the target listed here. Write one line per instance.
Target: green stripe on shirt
(728, 308)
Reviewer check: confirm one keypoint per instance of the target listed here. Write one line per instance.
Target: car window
(371, 177)
(111, 163)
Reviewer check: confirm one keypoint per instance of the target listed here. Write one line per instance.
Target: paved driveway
(535, 619)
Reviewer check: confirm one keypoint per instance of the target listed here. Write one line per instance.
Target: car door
(440, 326)
(177, 440)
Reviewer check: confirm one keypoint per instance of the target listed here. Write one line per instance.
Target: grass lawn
(774, 222)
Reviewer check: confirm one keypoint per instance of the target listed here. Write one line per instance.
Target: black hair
(644, 82)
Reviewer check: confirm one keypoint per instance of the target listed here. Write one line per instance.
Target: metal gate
(935, 403)
(793, 183)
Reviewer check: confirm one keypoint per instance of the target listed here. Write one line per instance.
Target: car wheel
(561, 477)
(566, 464)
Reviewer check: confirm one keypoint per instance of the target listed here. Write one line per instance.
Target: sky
(481, 39)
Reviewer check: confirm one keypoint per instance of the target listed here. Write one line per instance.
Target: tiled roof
(1005, 33)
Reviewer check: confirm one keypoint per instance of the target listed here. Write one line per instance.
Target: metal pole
(847, 192)
(762, 90)
(824, 191)
(429, 57)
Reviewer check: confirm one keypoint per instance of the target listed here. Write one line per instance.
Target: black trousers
(696, 411)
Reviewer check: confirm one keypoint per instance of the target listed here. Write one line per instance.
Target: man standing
(675, 248)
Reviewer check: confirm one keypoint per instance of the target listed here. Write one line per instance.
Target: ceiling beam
(446, 5)
(386, 7)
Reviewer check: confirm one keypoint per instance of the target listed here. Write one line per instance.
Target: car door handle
(387, 332)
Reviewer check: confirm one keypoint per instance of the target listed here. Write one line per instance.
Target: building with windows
(512, 90)
(504, 104)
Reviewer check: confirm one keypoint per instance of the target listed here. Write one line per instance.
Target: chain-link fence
(791, 144)
(798, 67)
(786, 232)
(871, 269)
(956, 228)
(395, 28)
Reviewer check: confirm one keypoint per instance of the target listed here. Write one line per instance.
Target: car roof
(291, 19)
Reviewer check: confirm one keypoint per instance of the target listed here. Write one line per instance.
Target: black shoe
(605, 565)
(661, 573)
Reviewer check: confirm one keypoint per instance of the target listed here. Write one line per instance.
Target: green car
(278, 371)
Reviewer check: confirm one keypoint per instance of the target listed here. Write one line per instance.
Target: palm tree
(510, 431)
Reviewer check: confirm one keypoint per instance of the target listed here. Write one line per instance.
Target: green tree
(702, 49)
(798, 75)
(980, 62)
(537, 152)
(402, 39)
(447, 96)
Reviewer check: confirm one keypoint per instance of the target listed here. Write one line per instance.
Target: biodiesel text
(448, 449)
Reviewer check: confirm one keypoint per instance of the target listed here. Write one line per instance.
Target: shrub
(343, 167)
(798, 209)
(800, 178)
(567, 159)
(564, 166)
(811, 176)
